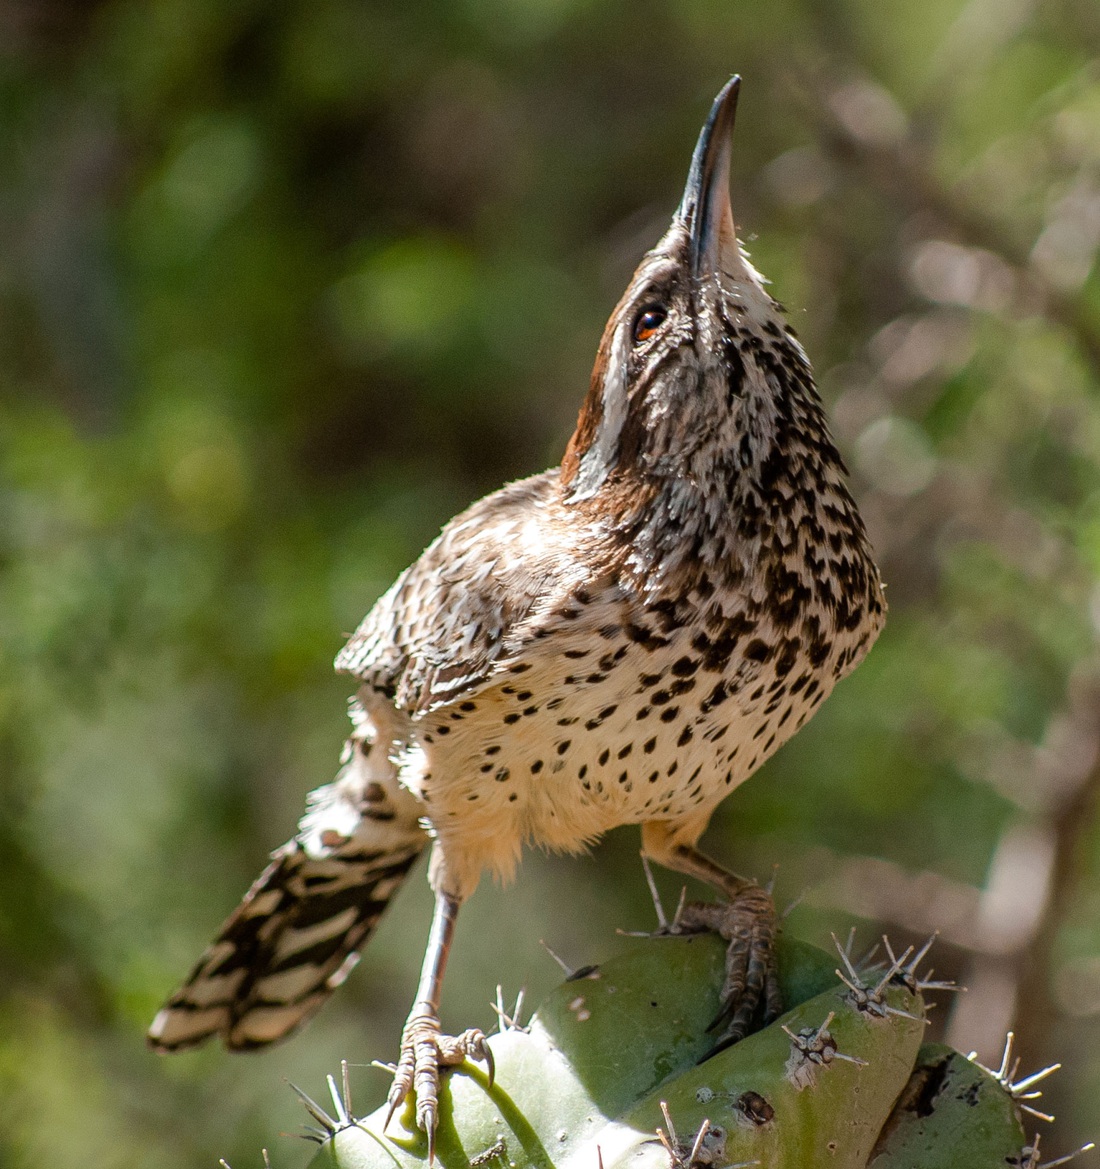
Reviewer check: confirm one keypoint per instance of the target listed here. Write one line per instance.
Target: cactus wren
(620, 640)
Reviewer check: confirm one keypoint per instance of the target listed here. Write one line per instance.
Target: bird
(622, 639)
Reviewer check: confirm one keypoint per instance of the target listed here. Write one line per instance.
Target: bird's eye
(649, 321)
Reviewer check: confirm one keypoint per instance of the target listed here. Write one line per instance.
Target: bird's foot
(750, 994)
(424, 1050)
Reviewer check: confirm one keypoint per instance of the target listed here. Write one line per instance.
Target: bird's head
(677, 381)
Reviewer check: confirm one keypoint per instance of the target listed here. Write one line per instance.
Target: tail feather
(296, 935)
(290, 943)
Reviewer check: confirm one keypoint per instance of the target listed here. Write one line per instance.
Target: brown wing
(495, 574)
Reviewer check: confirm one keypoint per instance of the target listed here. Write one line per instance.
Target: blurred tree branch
(1072, 809)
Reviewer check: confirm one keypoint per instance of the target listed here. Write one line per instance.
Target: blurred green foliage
(283, 286)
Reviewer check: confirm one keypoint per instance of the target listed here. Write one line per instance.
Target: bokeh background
(284, 285)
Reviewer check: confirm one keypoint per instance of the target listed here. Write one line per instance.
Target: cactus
(952, 1114)
(608, 1076)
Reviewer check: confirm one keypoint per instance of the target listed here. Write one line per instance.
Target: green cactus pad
(952, 1115)
(586, 1083)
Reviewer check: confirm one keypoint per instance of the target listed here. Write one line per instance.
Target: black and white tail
(296, 935)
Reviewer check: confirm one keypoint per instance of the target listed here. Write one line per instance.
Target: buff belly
(558, 757)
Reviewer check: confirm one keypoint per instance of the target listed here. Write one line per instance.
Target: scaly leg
(747, 921)
(424, 1049)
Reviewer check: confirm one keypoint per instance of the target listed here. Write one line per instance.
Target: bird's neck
(733, 491)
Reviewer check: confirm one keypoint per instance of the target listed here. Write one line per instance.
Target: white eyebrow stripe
(598, 460)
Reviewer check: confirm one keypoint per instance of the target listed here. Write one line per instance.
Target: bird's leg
(424, 1049)
(747, 921)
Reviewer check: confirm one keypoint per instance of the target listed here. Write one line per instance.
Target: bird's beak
(705, 208)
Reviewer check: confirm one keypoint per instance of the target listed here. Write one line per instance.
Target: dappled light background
(284, 286)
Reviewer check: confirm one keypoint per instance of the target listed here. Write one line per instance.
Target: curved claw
(427, 1119)
(402, 1082)
(394, 1100)
(490, 1063)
